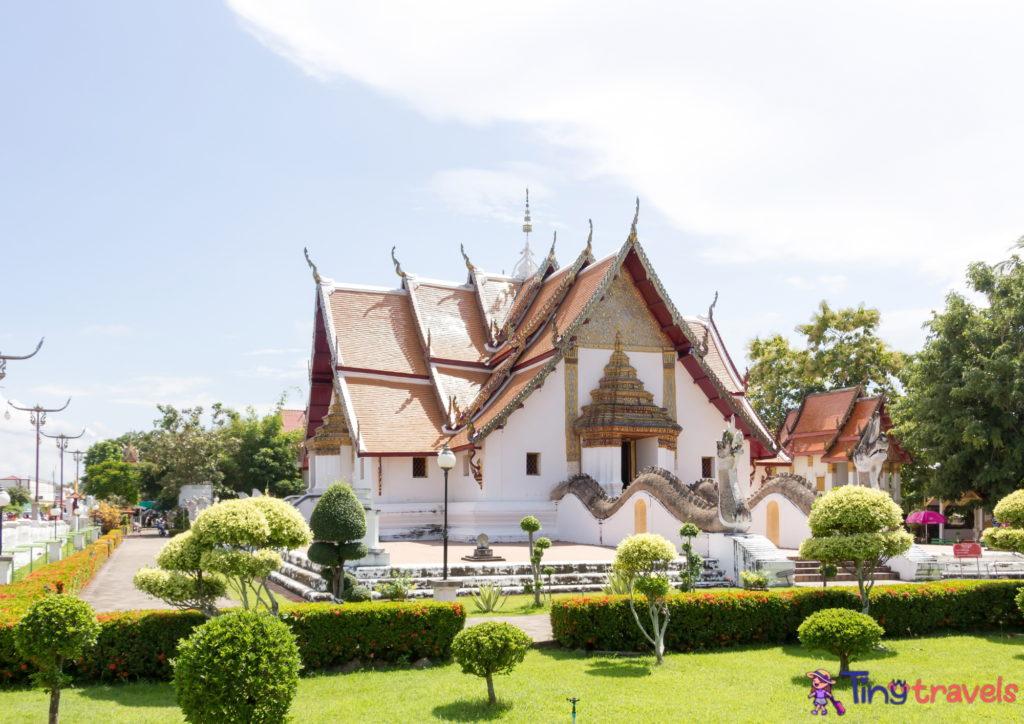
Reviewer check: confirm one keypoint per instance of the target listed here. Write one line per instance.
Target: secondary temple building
(575, 393)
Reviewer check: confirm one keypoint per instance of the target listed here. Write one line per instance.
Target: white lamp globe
(54, 511)
(5, 498)
(446, 458)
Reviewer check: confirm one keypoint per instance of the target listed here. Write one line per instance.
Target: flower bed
(714, 620)
(135, 645)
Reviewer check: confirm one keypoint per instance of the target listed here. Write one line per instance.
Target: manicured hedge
(329, 635)
(139, 644)
(70, 574)
(713, 620)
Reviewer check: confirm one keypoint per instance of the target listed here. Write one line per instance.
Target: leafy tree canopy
(842, 350)
(187, 452)
(964, 408)
(114, 478)
(263, 456)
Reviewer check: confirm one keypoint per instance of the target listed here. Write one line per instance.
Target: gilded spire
(527, 225)
(316, 276)
(636, 218)
(469, 265)
(590, 239)
(398, 267)
(551, 254)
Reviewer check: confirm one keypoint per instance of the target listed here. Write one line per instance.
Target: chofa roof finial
(636, 218)
(398, 267)
(469, 265)
(551, 254)
(316, 276)
(590, 239)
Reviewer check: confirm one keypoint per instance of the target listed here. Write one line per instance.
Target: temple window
(707, 467)
(533, 463)
(419, 467)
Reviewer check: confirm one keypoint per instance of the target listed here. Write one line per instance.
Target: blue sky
(162, 166)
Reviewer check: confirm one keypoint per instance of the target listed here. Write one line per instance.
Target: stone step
(815, 578)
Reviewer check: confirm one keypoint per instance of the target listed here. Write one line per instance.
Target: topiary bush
(1010, 535)
(239, 667)
(841, 632)
(55, 629)
(489, 649)
(644, 558)
(859, 525)
(338, 523)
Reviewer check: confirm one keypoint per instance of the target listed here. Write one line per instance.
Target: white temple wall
(703, 426)
(793, 528)
(577, 525)
(647, 453)
(539, 427)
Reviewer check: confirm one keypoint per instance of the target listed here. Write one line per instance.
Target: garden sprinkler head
(573, 701)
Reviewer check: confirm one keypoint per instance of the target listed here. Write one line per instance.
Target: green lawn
(732, 685)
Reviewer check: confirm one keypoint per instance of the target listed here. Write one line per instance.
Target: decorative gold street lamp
(446, 460)
(37, 418)
(62, 445)
(4, 358)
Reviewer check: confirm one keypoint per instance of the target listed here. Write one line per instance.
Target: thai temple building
(574, 392)
(818, 441)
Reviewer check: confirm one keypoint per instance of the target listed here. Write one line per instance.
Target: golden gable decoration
(623, 409)
(332, 434)
(623, 312)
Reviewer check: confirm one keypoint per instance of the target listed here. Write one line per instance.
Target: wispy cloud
(497, 194)
(109, 330)
(60, 391)
(270, 351)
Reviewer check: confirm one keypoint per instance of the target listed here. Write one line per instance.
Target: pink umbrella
(926, 517)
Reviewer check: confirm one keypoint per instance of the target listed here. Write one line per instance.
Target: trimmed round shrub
(288, 528)
(1011, 509)
(530, 524)
(338, 516)
(853, 509)
(841, 632)
(239, 667)
(52, 631)
(644, 553)
(236, 523)
(489, 649)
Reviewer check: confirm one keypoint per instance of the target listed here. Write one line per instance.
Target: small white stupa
(526, 267)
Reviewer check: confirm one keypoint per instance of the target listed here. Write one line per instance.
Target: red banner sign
(967, 550)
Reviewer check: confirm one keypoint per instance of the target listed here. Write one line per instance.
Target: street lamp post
(62, 445)
(446, 460)
(54, 512)
(37, 417)
(5, 500)
(5, 357)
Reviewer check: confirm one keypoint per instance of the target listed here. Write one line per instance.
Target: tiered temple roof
(434, 360)
(831, 424)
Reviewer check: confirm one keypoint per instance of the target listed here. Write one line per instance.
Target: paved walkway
(111, 589)
(536, 627)
(431, 552)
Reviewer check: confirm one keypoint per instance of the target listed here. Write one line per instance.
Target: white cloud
(60, 391)
(497, 194)
(109, 330)
(816, 131)
(269, 351)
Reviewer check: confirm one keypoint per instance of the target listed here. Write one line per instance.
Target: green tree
(55, 629)
(531, 525)
(99, 452)
(243, 540)
(842, 350)
(1010, 535)
(262, 456)
(694, 560)
(20, 496)
(645, 558)
(490, 649)
(186, 451)
(180, 580)
(338, 523)
(964, 408)
(111, 478)
(841, 632)
(858, 528)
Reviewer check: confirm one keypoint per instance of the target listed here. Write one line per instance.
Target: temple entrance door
(628, 462)
(772, 522)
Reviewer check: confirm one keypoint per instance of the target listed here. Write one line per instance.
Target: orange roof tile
(579, 295)
(498, 295)
(825, 411)
(376, 331)
(814, 445)
(464, 384)
(859, 418)
(714, 358)
(788, 423)
(546, 290)
(396, 416)
(452, 318)
(293, 420)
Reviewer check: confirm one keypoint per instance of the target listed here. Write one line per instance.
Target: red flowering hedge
(136, 645)
(329, 635)
(713, 620)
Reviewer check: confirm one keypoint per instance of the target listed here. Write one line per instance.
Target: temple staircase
(807, 572)
(302, 577)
